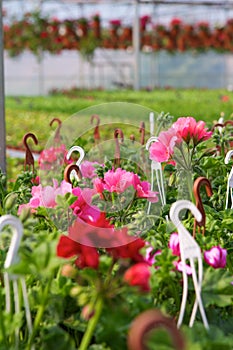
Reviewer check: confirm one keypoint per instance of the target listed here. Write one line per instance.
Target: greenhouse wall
(111, 69)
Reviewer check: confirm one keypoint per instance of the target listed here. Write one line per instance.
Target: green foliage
(68, 306)
(205, 105)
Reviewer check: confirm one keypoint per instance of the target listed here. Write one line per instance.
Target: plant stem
(176, 294)
(92, 325)
(39, 314)
(190, 185)
(2, 326)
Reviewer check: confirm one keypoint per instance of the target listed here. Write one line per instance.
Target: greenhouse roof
(172, 2)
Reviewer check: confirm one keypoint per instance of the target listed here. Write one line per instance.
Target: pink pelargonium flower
(46, 196)
(118, 180)
(162, 149)
(174, 244)
(87, 169)
(143, 190)
(53, 156)
(150, 257)
(187, 128)
(180, 266)
(216, 257)
(98, 185)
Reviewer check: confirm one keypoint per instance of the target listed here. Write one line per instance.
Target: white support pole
(136, 46)
(2, 101)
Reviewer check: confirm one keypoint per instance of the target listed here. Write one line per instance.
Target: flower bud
(68, 271)
(87, 312)
(10, 201)
(75, 291)
(171, 179)
(25, 214)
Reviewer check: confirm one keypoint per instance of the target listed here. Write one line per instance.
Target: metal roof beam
(2, 102)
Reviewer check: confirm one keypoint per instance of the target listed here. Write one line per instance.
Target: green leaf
(56, 335)
(217, 288)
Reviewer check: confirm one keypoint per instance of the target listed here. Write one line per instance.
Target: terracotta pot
(151, 320)
(127, 33)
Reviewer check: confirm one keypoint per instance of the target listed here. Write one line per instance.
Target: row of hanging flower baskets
(99, 248)
(37, 33)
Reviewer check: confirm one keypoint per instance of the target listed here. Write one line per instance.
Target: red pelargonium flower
(176, 22)
(225, 98)
(216, 257)
(139, 275)
(128, 247)
(115, 22)
(98, 234)
(86, 256)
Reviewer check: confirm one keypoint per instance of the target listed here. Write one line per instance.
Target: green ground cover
(33, 114)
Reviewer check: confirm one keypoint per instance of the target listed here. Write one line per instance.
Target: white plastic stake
(221, 121)
(152, 123)
(229, 180)
(11, 258)
(79, 161)
(157, 168)
(189, 249)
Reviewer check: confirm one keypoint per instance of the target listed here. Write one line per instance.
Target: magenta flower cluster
(215, 257)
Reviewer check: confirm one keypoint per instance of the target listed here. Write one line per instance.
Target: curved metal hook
(217, 125)
(71, 169)
(180, 205)
(29, 159)
(96, 130)
(81, 154)
(228, 122)
(196, 190)
(55, 120)
(142, 132)
(57, 135)
(150, 140)
(95, 116)
(146, 322)
(118, 132)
